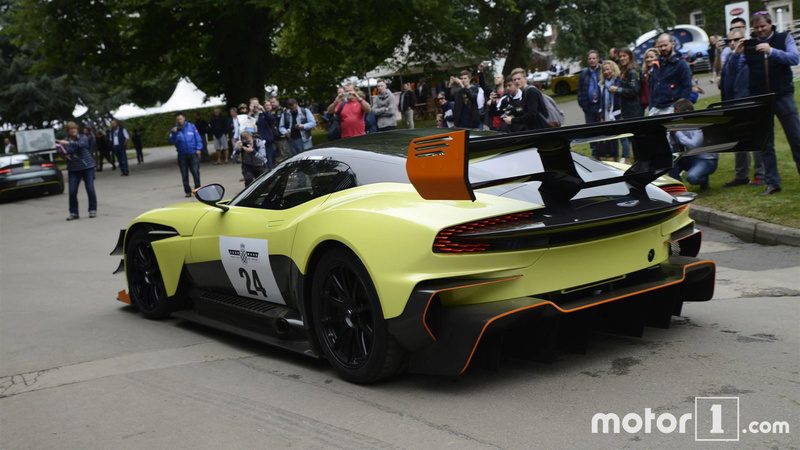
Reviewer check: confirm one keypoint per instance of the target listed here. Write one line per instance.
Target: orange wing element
(124, 297)
(437, 166)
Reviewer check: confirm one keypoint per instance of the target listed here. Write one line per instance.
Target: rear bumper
(39, 180)
(443, 340)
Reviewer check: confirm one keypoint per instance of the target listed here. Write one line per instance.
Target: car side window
(299, 182)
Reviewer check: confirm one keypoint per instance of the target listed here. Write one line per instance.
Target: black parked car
(22, 174)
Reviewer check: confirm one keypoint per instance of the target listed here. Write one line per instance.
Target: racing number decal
(256, 282)
(246, 263)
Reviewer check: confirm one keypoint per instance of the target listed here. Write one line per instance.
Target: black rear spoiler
(438, 166)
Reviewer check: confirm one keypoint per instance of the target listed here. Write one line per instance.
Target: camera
(179, 127)
(346, 95)
(508, 111)
(750, 46)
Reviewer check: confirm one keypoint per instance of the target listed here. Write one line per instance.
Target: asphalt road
(79, 370)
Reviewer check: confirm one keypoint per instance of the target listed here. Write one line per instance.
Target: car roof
(8, 160)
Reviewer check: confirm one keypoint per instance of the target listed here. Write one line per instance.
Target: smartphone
(486, 63)
(750, 46)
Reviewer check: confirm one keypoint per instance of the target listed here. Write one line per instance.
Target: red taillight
(4, 171)
(675, 189)
(48, 165)
(446, 240)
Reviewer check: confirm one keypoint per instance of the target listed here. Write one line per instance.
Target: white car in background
(543, 77)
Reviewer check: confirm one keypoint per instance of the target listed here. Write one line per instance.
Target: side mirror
(211, 195)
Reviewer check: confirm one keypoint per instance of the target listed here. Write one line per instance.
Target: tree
(138, 49)
(510, 22)
(713, 12)
(600, 24)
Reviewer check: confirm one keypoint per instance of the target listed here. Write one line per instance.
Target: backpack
(334, 128)
(554, 116)
(370, 122)
(644, 90)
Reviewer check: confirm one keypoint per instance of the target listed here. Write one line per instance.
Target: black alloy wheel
(562, 88)
(145, 283)
(349, 322)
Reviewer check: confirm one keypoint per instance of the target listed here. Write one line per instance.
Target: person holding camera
(296, 124)
(189, 144)
(465, 100)
(534, 111)
(351, 108)
(80, 166)
(509, 105)
(770, 57)
(734, 82)
(724, 47)
(254, 156)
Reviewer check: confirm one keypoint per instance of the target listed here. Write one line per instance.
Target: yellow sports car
(415, 249)
(565, 84)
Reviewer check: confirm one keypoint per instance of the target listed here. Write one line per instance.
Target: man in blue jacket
(296, 124)
(189, 144)
(672, 77)
(589, 92)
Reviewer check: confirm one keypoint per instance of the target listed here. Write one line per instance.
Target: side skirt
(272, 324)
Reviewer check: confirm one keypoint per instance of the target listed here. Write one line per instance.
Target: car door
(246, 250)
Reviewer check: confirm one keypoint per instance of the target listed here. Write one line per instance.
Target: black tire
(57, 190)
(145, 284)
(348, 320)
(562, 88)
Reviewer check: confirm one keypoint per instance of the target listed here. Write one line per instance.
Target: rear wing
(438, 166)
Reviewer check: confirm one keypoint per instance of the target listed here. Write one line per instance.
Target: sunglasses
(761, 13)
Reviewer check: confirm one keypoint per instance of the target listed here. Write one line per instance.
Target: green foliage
(713, 13)
(154, 128)
(600, 25)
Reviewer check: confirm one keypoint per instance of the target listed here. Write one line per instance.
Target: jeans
(189, 162)
(626, 147)
(122, 158)
(659, 111)
(297, 146)
(250, 173)
(139, 155)
(742, 170)
(786, 110)
(270, 149)
(697, 169)
(75, 177)
(592, 117)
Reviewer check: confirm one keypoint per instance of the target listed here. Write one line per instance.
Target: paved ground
(79, 370)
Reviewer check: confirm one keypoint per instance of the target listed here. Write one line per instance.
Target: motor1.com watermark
(714, 419)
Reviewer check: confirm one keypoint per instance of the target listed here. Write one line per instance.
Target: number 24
(256, 283)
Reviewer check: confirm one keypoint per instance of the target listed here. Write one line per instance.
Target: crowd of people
(619, 89)
(260, 135)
